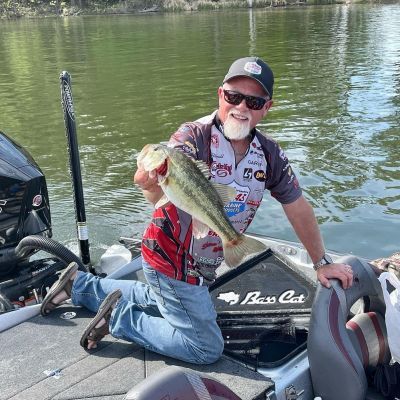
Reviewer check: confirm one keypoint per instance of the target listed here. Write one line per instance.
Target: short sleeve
(281, 179)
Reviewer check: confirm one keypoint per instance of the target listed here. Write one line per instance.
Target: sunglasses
(252, 102)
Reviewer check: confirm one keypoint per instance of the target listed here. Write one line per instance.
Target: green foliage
(19, 8)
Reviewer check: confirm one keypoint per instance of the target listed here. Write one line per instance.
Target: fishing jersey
(168, 244)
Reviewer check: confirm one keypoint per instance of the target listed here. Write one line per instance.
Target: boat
(286, 337)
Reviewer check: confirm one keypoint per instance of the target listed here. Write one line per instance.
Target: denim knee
(214, 356)
(211, 354)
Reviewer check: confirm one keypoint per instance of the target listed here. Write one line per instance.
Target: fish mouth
(152, 157)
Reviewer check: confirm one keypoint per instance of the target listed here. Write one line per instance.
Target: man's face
(238, 119)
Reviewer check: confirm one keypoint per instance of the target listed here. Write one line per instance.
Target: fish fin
(162, 202)
(199, 229)
(203, 167)
(227, 193)
(237, 250)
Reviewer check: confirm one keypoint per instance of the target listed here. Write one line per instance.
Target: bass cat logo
(253, 298)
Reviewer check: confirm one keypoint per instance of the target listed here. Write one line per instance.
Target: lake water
(136, 78)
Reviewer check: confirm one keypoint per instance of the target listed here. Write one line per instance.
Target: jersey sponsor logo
(282, 155)
(260, 175)
(239, 204)
(191, 146)
(250, 216)
(242, 192)
(253, 203)
(208, 244)
(256, 146)
(234, 207)
(215, 140)
(221, 170)
(248, 174)
(187, 149)
(242, 196)
(257, 153)
(213, 156)
(237, 221)
(254, 162)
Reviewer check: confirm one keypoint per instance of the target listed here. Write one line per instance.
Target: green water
(136, 78)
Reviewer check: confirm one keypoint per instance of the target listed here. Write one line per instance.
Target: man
(173, 314)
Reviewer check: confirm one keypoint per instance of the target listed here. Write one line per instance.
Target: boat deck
(39, 345)
(51, 343)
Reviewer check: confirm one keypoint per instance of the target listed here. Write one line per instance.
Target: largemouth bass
(185, 184)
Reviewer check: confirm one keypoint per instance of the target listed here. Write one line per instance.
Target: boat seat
(180, 383)
(340, 351)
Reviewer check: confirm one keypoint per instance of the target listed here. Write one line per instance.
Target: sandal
(106, 307)
(64, 283)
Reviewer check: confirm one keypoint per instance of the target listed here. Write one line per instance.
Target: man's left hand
(343, 272)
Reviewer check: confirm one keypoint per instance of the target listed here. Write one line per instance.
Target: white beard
(236, 130)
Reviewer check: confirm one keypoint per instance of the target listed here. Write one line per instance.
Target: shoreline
(14, 10)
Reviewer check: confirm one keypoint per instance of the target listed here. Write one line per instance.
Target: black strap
(387, 380)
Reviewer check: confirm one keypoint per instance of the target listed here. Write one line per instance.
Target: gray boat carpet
(41, 359)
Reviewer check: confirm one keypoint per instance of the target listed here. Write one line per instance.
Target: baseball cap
(255, 68)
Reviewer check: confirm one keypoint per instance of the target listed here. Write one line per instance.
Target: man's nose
(242, 105)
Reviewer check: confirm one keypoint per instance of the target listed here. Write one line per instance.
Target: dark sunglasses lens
(255, 103)
(252, 102)
(233, 97)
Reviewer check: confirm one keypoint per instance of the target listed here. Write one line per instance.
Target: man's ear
(267, 106)
(220, 95)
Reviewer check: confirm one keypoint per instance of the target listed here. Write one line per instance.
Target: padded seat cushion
(367, 332)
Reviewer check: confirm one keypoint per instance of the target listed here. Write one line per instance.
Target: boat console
(264, 308)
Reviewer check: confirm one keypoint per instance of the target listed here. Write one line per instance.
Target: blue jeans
(166, 316)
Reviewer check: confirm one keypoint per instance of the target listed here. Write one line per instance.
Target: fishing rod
(75, 168)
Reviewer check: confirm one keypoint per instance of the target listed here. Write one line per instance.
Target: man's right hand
(149, 184)
(343, 272)
(146, 180)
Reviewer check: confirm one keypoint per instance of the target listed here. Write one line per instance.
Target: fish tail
(238, 249)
